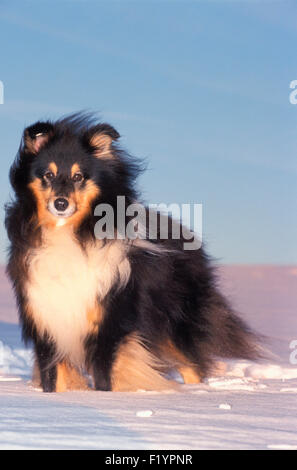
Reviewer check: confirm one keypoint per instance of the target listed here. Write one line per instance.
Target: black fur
(171, 293)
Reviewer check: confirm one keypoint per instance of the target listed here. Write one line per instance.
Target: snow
(144, 413)
(225, 406)
(247, 406)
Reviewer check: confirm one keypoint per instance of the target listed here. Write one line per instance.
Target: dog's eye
(49, 176)
(77, 177)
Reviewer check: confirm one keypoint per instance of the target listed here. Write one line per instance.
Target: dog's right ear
(36, 136)
(100, 137)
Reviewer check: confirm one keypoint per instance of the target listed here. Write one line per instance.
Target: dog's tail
(233, 338)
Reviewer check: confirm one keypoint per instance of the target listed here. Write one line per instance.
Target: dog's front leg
(102, 365)
(101, 349)
(104, 351)
(45, 353)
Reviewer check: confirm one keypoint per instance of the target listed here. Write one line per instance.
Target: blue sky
(199, 88)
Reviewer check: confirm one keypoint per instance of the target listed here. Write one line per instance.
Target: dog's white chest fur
(66, 282)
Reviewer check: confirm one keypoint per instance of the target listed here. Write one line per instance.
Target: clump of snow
(144, 413)
(271, 371)
(15, 361)
(225, 406)
(231, 384)
(289, 389)
(261, 371)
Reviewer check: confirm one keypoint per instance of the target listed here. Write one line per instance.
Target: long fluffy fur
(123, 311)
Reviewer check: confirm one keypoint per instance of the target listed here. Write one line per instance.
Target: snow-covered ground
(249, 406)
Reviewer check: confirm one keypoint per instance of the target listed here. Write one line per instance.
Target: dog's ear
(100, 137)
(36, 136)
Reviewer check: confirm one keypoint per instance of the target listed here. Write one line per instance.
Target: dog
(116, 314)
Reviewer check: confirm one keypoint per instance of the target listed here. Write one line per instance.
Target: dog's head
(68, 166)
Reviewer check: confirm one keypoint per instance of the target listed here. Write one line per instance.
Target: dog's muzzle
(61, 207)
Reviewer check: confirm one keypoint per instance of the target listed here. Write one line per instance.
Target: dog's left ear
(36, 136)
(100, 137)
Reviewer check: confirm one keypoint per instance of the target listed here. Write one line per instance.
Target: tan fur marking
(189, 375)
(53, 168)
(102, 143)
(94, 318)
(75, 169)
(82, 199)
(44, 217)
(33, 145)
(68, 378)
(179, 361)
(136, 368)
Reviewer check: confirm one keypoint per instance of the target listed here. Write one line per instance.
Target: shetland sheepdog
(114, 314)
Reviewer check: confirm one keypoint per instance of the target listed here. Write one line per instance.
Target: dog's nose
(61, 204)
